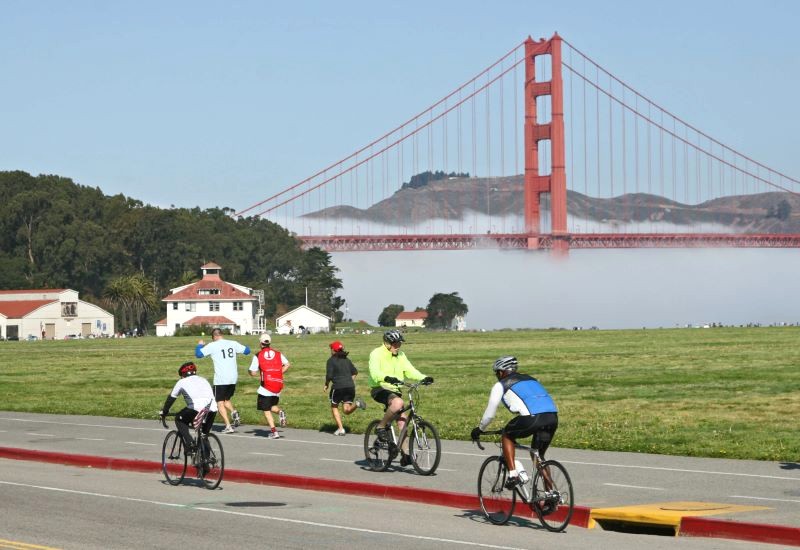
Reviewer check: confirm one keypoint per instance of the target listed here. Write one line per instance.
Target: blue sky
(223, 103)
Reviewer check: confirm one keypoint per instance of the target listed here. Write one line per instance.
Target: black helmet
(393, 337)
(187, 369)
(506, 364)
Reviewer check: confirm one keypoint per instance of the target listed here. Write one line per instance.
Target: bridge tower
(554, 183)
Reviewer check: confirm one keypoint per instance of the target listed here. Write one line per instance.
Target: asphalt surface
(601, 479)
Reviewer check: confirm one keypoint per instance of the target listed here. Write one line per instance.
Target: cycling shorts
(541, 426)
(384, 396)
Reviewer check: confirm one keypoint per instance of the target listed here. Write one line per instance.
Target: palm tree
(133, 297)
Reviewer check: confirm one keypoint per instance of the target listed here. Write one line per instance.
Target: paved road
(55, 506)
(601, 479)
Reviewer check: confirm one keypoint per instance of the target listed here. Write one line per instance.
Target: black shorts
(384, 396)
(224, 392)
(541, 426)
(342, 395)
(187, 416)
(266, 402)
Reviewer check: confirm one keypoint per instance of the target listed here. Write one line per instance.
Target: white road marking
(338, 460)
(765, 498)
(160, 428)
(41, 435)
(634, 486)
(137, 443)
(265, 454)
(258, 516)
(681, 470)
(90, 438)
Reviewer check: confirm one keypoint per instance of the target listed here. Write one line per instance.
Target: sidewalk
(320, 461)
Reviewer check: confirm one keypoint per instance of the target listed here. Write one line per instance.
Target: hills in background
(459, 197)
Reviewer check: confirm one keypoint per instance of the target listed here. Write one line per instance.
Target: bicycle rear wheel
(554, 504)
(424, 447)
(377, 452)
(497, 502)
(212, 461)
(173, 459)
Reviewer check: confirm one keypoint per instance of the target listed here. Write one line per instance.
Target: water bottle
(523, 478)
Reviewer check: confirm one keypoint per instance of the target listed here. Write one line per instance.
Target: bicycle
(549, 493)
(424, 445)
(207, 457)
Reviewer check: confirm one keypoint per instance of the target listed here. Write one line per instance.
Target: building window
(190, 306)
(207, 291)
(69, 309)
(213, 306)
(238, 306)
(174, 305)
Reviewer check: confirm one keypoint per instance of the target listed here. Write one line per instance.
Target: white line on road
(634, 486)
(682, 470)
(159, 429)
(337, 460)
(259, 516)
(90, 438)
(765, 498)
(41, 435)
(137, 443)
(265, 454)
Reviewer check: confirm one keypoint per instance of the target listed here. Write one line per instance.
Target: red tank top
(270, 363)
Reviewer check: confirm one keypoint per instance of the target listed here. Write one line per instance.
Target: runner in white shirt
(226, 373)
(197, 393)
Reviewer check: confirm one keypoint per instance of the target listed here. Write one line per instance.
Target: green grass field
(722, 392)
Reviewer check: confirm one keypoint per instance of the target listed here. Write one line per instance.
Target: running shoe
(339, 432)
(273, 435)
(512, 482)
(360, 404)
(236, 419)
(282, 419)
(229, 430)
(405, 460)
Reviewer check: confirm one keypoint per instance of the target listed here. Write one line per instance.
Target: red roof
(32, 290)
(209, 320)
(162, 322)
(16, 309)
(210, 265)
(409, 315)
(192, 292)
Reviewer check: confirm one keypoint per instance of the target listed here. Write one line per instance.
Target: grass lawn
(722, 392)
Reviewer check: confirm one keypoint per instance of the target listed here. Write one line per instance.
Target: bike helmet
(506, 364)
(393, 337)
(187, 369)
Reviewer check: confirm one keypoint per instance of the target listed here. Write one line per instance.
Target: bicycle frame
(413, 390)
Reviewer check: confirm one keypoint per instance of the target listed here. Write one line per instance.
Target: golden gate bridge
(543, 149)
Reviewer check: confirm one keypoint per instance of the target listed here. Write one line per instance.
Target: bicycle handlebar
(395, 382)
(491, 432)
(163, 422)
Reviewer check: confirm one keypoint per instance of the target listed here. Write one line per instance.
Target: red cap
(337, 346)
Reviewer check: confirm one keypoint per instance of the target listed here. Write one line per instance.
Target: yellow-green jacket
(382, 364)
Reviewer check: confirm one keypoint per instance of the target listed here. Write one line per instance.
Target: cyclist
(388, 361)
(198, 395)
(536, 410)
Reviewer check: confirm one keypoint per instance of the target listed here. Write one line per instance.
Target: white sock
(513, 473)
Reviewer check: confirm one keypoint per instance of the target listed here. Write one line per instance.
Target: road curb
(581, 517)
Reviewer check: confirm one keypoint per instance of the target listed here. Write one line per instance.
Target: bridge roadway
(769, 492)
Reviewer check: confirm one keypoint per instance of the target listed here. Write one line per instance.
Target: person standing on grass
(270, 364)
(340, 374)
(226, 373)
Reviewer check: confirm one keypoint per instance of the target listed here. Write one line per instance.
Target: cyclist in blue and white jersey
(226, 373)
(537, 412)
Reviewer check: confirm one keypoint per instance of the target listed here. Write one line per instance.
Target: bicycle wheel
(212, 461)
(497, 502)
(554, 503)
(377, 452)
(173, 459)
(424, 447)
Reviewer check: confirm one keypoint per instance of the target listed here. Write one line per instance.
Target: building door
(86, 329)
(50, 331)
(12, 332)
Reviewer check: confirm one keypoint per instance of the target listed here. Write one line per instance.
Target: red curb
(752, 532)
(580, 514)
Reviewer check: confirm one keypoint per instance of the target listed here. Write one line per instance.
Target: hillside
(457, 198)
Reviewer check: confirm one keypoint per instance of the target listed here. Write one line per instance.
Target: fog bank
(603, 288)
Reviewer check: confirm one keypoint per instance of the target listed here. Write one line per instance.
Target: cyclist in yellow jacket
(387, 361)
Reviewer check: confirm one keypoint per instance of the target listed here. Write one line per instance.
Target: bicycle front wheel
(424, 447)
(173, 459)
(377, 452)
(212, 461)
(553, 499)
(497, 502)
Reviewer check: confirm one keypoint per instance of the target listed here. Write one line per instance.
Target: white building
(52, 314)
(310, 320)
(213, 302)
(411, 319)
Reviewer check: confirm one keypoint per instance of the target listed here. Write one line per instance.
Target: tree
(389, 314)
(443, 308)
(134, 297)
